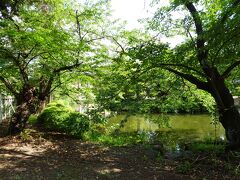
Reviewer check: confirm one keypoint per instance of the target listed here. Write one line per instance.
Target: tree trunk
(19, 119)
(27, 104)
(42, 104)
(228, 112)
(230, 120)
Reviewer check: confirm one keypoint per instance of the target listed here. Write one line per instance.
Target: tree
(125, 84)
(207, 57)
(41, 41)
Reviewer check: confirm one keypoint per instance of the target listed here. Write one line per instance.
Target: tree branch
(200, 84)
(59, 84)
(78, 26)
(118, 44)
(67, 67)
(196, 18)
(202, 53)
(8, 85)
(25, 55)
(21, 68)
(228, 12)
(18, 64)
(32, 58)
(183, 66)
(224, 44)
(55, 87)
(46, 85)
(94, 39)
(227, 72)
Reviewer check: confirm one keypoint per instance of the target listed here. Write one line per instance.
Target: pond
(180, 128)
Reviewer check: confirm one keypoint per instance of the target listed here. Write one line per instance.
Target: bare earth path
(58, 157)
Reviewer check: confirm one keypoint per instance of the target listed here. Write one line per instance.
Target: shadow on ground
(48, 155)
(59, 157)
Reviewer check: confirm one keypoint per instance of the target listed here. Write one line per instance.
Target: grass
(118, 139)
(207, 146)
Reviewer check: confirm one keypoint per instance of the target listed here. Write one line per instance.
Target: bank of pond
(187, 143)
(170, 130)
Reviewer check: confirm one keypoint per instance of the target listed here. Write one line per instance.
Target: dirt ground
(55, 156)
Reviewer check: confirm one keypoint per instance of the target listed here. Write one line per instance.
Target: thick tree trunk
(228, 112)
(19, 118)
(27, 104)
(230, 120)
(42, 104)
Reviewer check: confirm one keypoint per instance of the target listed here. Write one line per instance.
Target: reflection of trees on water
(122, 123)
(183, 127)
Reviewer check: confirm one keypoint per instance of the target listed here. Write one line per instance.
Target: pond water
(181, 128)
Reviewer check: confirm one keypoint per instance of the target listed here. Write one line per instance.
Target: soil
(36, 155)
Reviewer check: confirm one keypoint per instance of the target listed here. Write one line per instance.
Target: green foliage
(33, 119)
(154, 92)
(58, 117)
(137, 82)
(26, 135)
(98, 130)
(107, 135)
(96, 116)
(44, 40)
(151, 63)
(208, 146)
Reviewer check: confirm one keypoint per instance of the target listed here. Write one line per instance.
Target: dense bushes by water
(59, 117)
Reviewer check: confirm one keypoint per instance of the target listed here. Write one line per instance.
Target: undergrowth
(59, 117)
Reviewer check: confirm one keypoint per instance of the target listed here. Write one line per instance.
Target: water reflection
(183, 128)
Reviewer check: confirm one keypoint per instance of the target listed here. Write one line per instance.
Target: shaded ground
(36, 155)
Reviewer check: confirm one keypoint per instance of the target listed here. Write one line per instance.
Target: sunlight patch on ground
(28, 149)
(109, 170)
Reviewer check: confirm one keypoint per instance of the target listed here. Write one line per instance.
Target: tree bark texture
(27, 103)
(228, 113)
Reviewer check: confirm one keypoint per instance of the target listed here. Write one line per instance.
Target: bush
(33, 119)
(59, 117)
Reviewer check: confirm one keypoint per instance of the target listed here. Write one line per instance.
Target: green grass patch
(105, 136)
(208, 146)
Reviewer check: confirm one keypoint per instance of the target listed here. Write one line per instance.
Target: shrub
(59, 117)
(33, 119)
(76, 124)
(25, 135)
